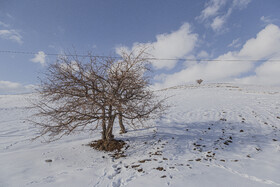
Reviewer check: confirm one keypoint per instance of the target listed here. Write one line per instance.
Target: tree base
(123, 132)
(110, 146)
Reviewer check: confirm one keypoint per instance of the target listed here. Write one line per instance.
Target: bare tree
(83, 94)
(199, 81)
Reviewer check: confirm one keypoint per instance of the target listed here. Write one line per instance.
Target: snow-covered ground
(212, 135)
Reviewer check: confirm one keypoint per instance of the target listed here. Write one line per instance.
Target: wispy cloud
(216, 15)
(268, 20)
(211, 9)
(176, 44)
(11, 34)
(40, 57)
(235, 43)
(4, 24)
(240, 3)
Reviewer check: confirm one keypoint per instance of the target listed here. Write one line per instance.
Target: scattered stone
(171, 167)
(248, 156)
(198, 159)
(160, 169)
(241, 130)
(163, 176)
(145, 160)
(140, 170)
(48, 160)
(179, 164)
(278, 117)
(135, 166)
(165, 158)
(274, 140)
(223, 119)
(158, 153)
(222, 160)
(234, 160)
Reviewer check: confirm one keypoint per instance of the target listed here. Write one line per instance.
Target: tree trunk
(109, 130)
(123, 130)
(103, 125)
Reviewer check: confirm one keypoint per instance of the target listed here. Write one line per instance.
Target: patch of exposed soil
(110, 146)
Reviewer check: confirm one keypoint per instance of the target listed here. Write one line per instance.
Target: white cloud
(12, 35)
(266, 45)
(40, 57)
(267, 74)
(176, 44)
(235, 43)
(8, 87)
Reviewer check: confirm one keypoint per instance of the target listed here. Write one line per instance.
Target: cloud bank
(265, 46)
(177, 44)
(8, 87)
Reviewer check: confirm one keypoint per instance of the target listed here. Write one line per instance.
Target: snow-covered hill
(212, 135)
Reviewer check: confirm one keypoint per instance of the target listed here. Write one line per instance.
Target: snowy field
(212, 135)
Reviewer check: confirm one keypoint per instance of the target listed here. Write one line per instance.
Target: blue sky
(193, 29)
